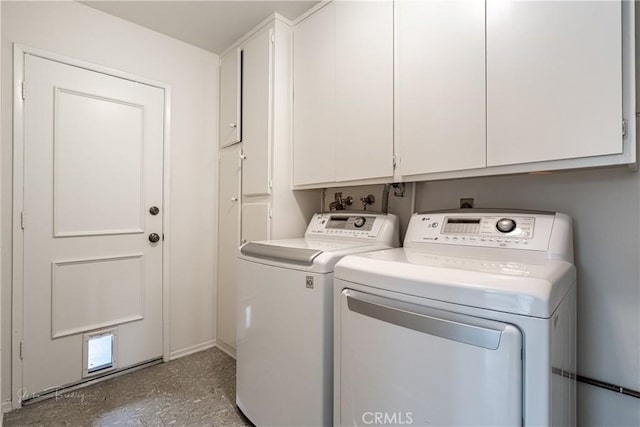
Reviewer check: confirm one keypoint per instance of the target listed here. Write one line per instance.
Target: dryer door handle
(444, 324)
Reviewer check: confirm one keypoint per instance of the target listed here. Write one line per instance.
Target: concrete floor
(195, 390)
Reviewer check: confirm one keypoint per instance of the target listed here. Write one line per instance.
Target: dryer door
(402, 363)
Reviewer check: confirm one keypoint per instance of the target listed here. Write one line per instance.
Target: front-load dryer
(473, 322)
(284, 374)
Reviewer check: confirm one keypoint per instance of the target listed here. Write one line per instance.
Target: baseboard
(7, 406)
(190, 350)
(226, 348)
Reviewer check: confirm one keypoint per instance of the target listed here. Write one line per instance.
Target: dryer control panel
(513, 230)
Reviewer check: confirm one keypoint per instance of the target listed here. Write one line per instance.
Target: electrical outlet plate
(466, 202)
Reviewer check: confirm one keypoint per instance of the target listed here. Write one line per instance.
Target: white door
(314, 121)
(228, 243)
(440, 85)
(230, 89)
(93, 149)
(406, 364)
(363, 89)
(256, 114)
(554, 80)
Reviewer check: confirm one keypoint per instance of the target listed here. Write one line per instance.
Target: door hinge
(24, 91)
(624, 128)
(21, 350)
(273, 38)
(270, 183)
(22, 220)
(270, 213)
(396, 161)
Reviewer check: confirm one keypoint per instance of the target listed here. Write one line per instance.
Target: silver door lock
(309, 282)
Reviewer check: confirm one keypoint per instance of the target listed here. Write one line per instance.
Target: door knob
(153, 210)
(234, 199)
(154, 237)
(233, 125)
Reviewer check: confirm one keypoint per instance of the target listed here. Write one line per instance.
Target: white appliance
(285, 317)
(473, 322)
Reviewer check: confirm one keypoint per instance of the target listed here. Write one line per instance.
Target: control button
(359, 221)
(498, 240)
(505, 225)
(434, 225)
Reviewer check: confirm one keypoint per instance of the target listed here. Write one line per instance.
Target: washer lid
(512, 285)
(302, 256)
(317, 255)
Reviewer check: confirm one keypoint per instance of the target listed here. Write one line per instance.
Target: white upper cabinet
(230, 89)
(458, 88)
(343, 93)
(314, 98)
(257, 56)
(554, 80)
(364, 90)
(440, 85)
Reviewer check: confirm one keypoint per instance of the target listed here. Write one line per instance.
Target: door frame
(17, 287)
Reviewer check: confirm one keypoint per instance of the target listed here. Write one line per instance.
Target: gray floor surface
(196, 390)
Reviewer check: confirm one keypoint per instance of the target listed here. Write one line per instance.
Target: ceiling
(211, 25)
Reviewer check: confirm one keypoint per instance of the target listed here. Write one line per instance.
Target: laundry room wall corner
(73, 30)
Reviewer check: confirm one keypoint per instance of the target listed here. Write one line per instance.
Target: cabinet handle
(234, 199)
(243, 157)
(233, 125)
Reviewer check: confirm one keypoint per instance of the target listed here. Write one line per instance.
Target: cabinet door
(228, 242)
(364, 89)
(314, 98)
(230, 89)
(440, 85)
(554, 80)
(256, 113)
(255, 221)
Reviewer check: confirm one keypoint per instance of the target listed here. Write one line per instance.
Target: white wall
(605, 208)
(75, 30)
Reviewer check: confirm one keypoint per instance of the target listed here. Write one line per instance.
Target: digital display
(337, 222)
(458, 225)
(463, 220)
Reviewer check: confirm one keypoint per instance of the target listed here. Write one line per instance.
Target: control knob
(359, 221)
(506, 225)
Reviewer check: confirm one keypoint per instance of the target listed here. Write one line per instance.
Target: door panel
(93, 168)
(228, 243)
(255, 221)
(314, 112)
(426, 366)
(230, 90)
(108, 198)
(554, 80)
(256, 114)
(364, 89)
(440, 91)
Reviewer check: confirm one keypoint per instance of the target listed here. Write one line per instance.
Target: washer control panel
(346, 225)
(526, 230)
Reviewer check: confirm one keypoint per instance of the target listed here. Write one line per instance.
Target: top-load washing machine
(284, 349)
(472, 323)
